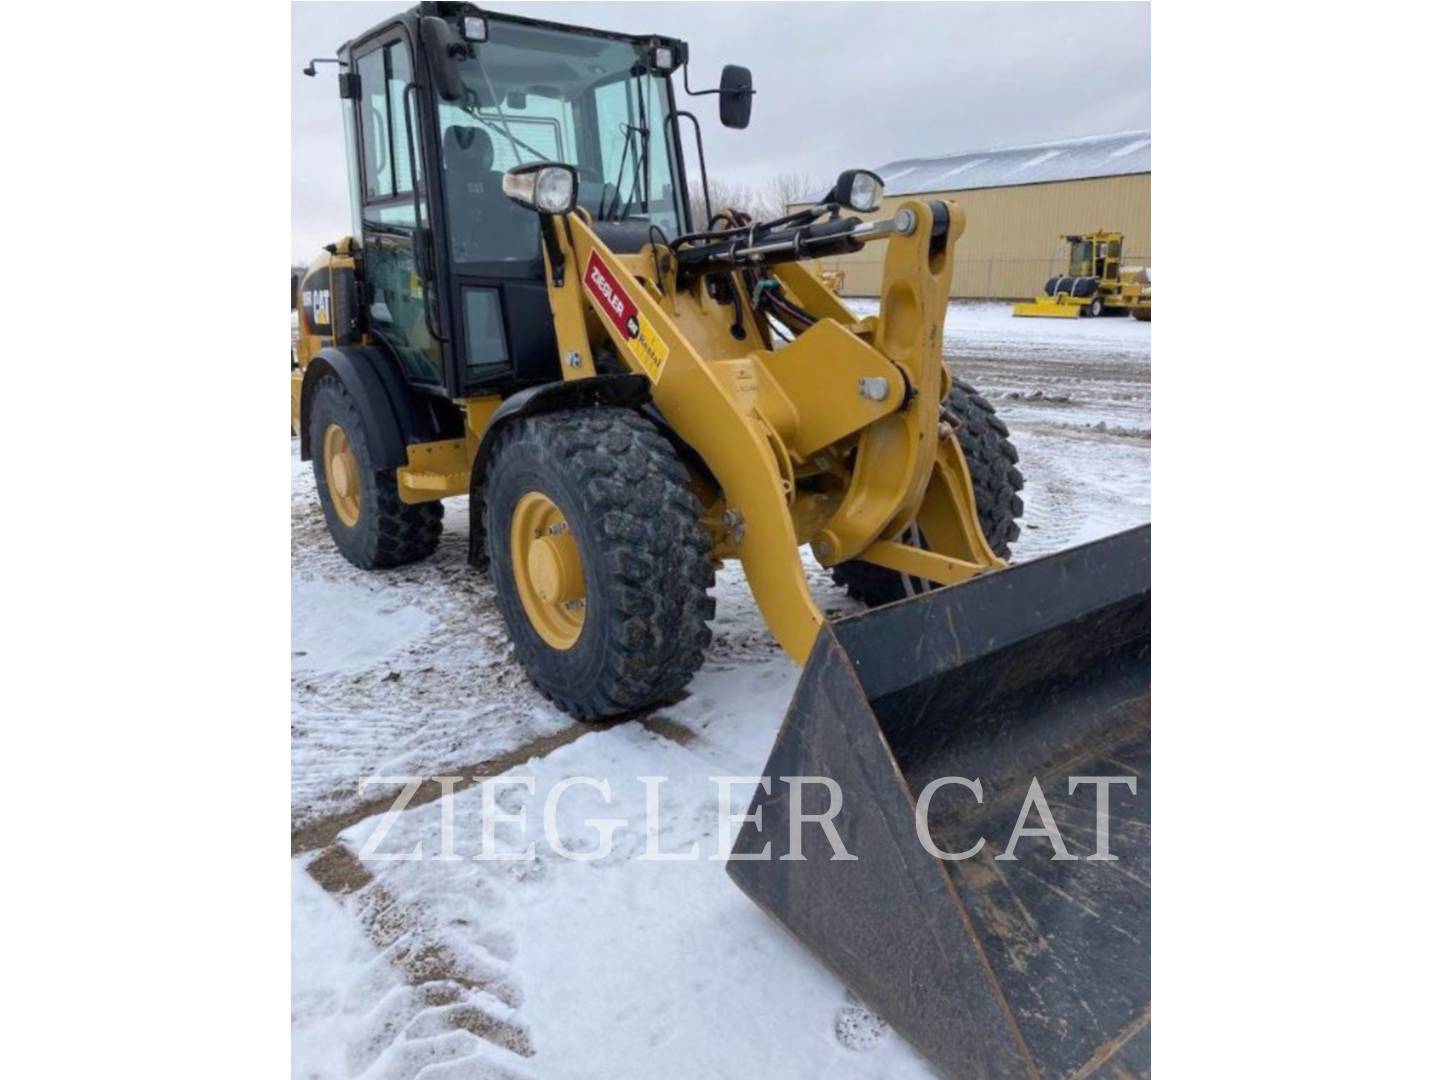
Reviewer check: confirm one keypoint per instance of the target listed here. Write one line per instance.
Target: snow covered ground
(452, 968)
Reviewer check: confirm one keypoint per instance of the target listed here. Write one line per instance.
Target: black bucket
(992, 966)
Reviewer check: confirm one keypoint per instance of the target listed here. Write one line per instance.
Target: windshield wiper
(636, 179)
(642, 173)
(642, 156)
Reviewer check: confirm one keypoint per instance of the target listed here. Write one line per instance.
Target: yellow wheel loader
(1095, 283)
(525, 313)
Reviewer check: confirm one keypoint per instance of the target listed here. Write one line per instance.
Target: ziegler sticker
(645, 345)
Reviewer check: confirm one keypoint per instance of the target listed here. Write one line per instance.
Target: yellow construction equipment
(1094, 284)
(525, 314)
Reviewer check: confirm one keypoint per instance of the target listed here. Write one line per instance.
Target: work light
(859, 189)
(554, 190)
(546, 186)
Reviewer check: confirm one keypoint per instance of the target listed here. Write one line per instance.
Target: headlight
(860, 190)
(544, 186)
(555, 190)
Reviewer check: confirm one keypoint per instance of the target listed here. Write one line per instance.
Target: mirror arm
(685, 80)
(309, 69)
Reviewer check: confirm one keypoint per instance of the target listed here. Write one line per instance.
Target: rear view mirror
(442, 45)
(735, 94)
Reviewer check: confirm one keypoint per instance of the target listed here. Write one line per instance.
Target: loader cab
(453, 271)
(1082, 256)
(1096, 255)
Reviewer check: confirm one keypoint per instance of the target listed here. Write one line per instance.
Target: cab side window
(399, 309)
(384, 75)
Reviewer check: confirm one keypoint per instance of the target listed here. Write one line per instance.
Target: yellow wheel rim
(342, 475)
(549, 575)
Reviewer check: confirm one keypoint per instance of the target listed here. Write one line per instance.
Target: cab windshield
(535, 94)
(1081, 253)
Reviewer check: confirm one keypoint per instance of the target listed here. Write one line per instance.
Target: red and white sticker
(614, 302)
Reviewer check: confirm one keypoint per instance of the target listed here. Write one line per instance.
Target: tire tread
(656, 572)
(390, 532)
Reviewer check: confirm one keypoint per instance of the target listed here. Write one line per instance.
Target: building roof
(1120, 154)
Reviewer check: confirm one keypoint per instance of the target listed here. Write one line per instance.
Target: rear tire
(382, 531)
(645, 558)
(994, 473)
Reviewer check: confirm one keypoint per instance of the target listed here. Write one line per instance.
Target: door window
(477, 145)
(400, 310)
(486, 353)
(384, 74)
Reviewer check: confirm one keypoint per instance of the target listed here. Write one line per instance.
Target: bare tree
(784, 190)
(724, 196)
(770, 200)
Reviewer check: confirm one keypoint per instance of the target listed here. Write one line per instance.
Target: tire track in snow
(460, 986)
(1051, 515)
(309, 835)
(451, 992)
(1080, 486)
(322, 832)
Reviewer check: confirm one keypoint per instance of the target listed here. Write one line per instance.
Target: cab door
(401, 304)
(504, 333)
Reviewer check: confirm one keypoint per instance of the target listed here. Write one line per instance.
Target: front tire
(1095, 308)
(601, 566)
(368, 522)
(995, 475)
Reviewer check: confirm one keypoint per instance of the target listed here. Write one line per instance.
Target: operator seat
(485, 225)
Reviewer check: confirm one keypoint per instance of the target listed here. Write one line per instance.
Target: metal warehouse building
(1018, 203)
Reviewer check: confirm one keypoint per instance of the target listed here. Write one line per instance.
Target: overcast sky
(837, 85)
